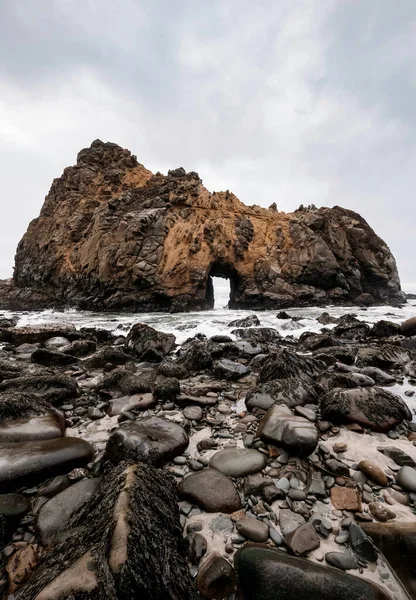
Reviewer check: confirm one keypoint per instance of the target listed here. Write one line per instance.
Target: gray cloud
(295, 102)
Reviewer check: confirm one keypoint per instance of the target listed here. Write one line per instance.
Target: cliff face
(111, 235)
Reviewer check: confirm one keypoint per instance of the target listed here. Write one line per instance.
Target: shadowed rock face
(111, 235)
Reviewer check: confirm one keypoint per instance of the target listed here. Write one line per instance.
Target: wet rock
(124, 383)
(57, 512)
(285, 364)
(397, 542)
(80, 348)
(33, 334)
(56, 343)
(267, 574)
(351, 329)
(238, 462)
(338, 355)
(21, 565)
(383, 329)
(341, 560)
(13, 505)
(196, 356)
(259, 335)
(50, 388)
(230, 370)
(326, 319)
(406, 478)
(151, 440)
(52, 358)
(25, 462)
(296, 434)
(211, 490)
(408, 328)
(344, 380)
(10, 370)
(344, 498)
(167, 390)
(374, 472)
(128, 403)
(381, 511)
(291, 392)
(379, 376)
(303, 540)
(216, 577)
(105, 356)
(389, 356)
(251, 320)
(399, 456)
(321, 524)
(337, 467)
(45, 427)
(114, 542)
(198, 546)
(253, 529)
(141, 337)
(374, 408)
(361, 543)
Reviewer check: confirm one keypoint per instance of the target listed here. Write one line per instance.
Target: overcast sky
(286, 101)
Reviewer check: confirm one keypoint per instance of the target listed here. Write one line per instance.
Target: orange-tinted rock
(112, 235)
(344, 498)
(374, 472)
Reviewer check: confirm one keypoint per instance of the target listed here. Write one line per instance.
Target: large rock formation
(111, 235)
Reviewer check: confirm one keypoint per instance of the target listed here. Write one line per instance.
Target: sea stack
(113, 236)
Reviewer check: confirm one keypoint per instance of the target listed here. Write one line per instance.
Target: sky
(289, 101)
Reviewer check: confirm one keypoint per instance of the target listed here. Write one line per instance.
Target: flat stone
(289, 521)
(230, 370)
(211, 490)
(152, 440)
(267, 574)
(253, 529)
(22, 463)
(303, 540)
(193, 413)
(296, 434)
(44, 427)
(56, 513)
(373, 472)
(399, 456)
(238, 462)
(341, 560)
(344, 498)
(134, 402)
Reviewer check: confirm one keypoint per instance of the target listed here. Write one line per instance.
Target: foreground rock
(126, 245)
(113, 546)
(266, 574)
(152, 440)
(282, 428)
(211, 490)
(23, 463)
(238, 462)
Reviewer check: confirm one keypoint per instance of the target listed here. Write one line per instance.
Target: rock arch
(113, 236)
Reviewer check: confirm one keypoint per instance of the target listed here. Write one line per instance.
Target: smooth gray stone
(341, 560)
(230, 370)
(406, 478)
(253, 529)
(24, 463)
(211, 490)
(362, 544)
(290, 521)
(43, 427)
(55, 514)
(238, 462)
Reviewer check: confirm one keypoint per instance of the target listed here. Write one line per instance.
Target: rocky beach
(244, 465)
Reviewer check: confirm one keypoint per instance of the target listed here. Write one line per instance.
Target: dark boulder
(383, 329)
(141, 337)
(50, 388)
(211, 490)
(167, 390)
(10, 369)
(216, 577)
(151, 440)
(124, 383)
(32, 334)
(285, 364)
(408, 328)
(52, 358)
(296, 434)
(259, 335)
(267, 574)
(108, 355)
(24, 463)
(371, 407)
(351, 328)
(251, 320)
(80, 348)
(230, 370)
(292, 392)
